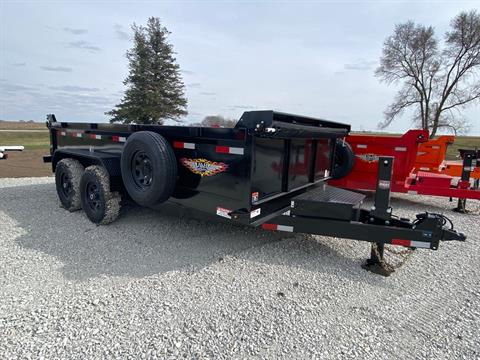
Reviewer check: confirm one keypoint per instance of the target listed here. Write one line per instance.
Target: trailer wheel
(68, 173)
(149, 168)
(344, 159)
(100, 204)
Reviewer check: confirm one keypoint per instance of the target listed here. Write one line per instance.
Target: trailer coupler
(426, 222)
(336, 212)
(426, 232)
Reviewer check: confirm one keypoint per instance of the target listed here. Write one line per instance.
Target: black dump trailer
(269, 171)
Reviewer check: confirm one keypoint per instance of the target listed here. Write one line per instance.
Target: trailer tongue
(269, 171)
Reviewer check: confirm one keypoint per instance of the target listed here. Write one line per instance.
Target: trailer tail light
(229, 150)
(410, 243)
(119, 138)
(273, 227)
(183, 145)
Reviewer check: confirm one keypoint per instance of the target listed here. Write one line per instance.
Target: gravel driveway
(156, 286)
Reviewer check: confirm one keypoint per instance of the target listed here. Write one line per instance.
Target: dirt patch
(28, 163)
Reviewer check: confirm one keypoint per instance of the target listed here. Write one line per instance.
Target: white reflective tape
(420, 244)
(467, 168)
(235, 150)
(413, 192)
(435, 147)
(255, 213)
(425, 168)
(286, 213)
(400, 148)
(223, 212)
(384, 184)
(63, 133)
(188, 145)
(122, 139)
(361, 146)
(285, 228)
(98, 137)
(79, 135)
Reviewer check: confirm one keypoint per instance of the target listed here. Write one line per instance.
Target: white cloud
(75, 31)
(56, 68)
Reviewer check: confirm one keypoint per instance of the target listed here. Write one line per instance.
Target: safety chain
(404, 254)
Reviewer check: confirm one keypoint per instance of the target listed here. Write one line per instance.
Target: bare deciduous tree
(437, 84)
(216, 121)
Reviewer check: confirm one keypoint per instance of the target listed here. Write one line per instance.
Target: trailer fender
(110, 161)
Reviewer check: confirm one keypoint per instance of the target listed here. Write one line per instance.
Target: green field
(29, 138)
(462, 142)
(40, 140)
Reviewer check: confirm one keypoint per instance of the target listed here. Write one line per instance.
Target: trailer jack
(471, 159)
(340, 215)
(376, 263)
(382, 211)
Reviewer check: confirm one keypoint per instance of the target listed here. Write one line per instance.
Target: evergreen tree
(155, 90)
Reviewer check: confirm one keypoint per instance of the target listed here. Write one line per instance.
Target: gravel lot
(156, 286)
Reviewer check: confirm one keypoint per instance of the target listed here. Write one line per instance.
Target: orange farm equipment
(431, 157)
(412, 153)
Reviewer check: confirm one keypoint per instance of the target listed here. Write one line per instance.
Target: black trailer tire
(344, 159)
(68, 173)
(149, 168)
(100, 204)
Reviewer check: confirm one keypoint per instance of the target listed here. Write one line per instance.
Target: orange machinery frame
(405, 177)
(431, 158)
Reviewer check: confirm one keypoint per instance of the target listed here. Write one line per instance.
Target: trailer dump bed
(431, 157)
(270, 170)
(417, 166)
(266, 157)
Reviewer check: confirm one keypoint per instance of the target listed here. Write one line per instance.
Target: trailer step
(328, 202)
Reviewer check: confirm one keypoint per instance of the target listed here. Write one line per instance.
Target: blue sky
(311, 58)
